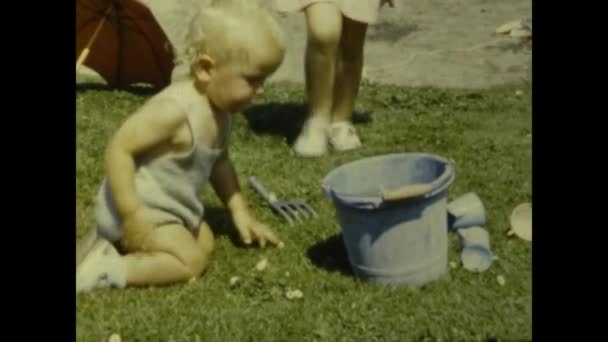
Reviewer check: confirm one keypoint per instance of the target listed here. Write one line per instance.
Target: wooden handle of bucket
(408, 191)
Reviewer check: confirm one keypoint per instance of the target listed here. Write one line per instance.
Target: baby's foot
(343, 136)
(312, 141)
(101, 268)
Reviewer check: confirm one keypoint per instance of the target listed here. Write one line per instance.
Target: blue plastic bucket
(392, 210)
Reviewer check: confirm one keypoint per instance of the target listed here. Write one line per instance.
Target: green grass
(487, 133)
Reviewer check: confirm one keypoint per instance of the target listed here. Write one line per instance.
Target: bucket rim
(375, 201)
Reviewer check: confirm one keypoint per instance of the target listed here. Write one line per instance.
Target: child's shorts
(359, 10)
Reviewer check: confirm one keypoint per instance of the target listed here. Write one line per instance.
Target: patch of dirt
(444, 43)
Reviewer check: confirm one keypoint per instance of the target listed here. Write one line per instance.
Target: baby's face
(234, 84)
(232, 87)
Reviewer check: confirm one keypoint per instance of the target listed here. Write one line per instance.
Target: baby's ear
(202, 68)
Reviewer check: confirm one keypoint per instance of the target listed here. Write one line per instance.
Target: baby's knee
(207, 246)
(205, 238)
(196, 261)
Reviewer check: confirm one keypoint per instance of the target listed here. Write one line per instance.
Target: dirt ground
(443, 43)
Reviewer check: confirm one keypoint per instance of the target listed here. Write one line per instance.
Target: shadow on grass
(220, 222)
(282, 119)
(331, 255)
(141, 90)
(285, 119)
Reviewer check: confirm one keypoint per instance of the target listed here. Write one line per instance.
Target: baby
(162, 157)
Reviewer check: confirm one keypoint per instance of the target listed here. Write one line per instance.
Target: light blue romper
(171, 184)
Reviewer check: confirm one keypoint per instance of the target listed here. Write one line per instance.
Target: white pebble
(519, 93)
(520, 33)
(501, 280)
(510, 26)
(233, 280)
(114, 338)
(294, 294)
(261, 265)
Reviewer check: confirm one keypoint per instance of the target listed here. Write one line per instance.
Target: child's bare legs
(176, 256)
(342, 134)
(324, 23)
(173, 254)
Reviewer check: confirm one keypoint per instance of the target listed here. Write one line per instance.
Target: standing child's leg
(342, 134)
(324, 23)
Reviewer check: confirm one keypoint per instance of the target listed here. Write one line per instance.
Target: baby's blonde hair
(231, 31)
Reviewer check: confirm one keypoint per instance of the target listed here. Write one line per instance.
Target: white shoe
(343, 136)
(312, 141)
(102, 267)
(85, 244)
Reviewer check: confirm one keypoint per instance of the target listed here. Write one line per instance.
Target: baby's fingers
(264, 233)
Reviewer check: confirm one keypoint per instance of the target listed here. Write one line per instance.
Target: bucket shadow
(331, 255)
(286, 119)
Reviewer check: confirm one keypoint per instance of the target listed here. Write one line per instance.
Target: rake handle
(261, 189)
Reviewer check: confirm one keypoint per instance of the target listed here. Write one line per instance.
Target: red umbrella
(121, 40)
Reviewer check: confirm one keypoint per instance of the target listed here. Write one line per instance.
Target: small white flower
(114, 338)
(261, 265)
(234, 280)
(294, 294)
(501, 280)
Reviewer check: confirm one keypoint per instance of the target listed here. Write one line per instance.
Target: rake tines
(292, 210)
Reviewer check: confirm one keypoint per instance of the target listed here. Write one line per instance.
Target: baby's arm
(225, 184)
(147, 128)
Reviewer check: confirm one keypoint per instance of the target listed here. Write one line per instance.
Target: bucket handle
(406, 192)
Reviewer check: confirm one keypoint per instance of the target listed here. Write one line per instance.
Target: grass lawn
(487, 133)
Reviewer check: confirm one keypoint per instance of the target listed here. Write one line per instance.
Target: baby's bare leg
(324, 23)
(206, 239)
(172, 255)
(349, 68)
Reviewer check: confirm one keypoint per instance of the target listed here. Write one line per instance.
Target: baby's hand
(251, 230)
(136, 228)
